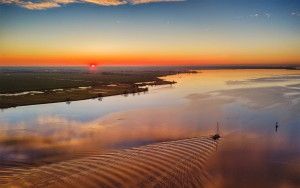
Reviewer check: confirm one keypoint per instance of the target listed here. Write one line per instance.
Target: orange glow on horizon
(147, 60)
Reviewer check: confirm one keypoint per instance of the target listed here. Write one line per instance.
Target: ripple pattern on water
(178, 163)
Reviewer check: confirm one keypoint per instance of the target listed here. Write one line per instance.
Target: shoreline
(68, 95)
(120, 92)
(54, 87)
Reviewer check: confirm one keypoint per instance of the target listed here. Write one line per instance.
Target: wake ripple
(178, 163)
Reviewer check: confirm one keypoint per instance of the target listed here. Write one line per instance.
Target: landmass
(21, 86)
(29, 86)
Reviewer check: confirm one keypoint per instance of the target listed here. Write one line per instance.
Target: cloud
(254, 15)
(257, 15)
(295, 14)
(39, 5)
(106, 2)
(135, 2)
(267, 15)
(46, 4)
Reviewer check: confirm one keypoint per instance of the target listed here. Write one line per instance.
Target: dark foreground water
(246, 103)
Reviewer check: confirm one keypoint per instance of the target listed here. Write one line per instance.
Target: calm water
(246, 103)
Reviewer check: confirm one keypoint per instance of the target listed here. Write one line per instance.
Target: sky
(149, 32)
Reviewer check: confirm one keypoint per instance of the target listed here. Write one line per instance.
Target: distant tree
(125, 93)
(100, 96)
(68, 100)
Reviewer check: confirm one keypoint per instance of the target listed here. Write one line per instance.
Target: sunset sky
(149, 32)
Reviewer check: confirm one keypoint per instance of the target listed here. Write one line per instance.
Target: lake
(245, 103)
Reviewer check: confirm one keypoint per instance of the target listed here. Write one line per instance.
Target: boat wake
(178, 163)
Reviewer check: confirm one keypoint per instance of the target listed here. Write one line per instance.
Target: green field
(65, 86)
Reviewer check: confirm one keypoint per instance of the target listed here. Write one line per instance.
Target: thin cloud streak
(135, 2)
(295, 14)
(257, 15)
(46, 4)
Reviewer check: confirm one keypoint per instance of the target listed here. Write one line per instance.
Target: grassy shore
(65, 84)
(20, 87)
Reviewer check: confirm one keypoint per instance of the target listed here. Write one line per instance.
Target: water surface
(246, 103)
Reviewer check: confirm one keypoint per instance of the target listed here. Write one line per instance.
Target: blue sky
(194, 31)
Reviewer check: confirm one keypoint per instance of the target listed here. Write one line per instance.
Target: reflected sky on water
(246, 103)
